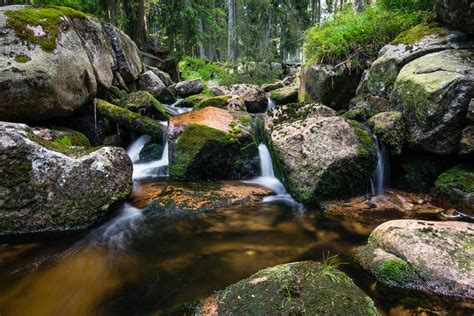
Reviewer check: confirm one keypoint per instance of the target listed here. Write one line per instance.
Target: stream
(144, 262)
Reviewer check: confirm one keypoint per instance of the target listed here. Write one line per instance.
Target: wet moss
(47, 22)
(146, 104)
(23, 59)
(72, 138)
(460, 177)
(116, 96)
(60, 148)
(392, 272)
(191, 101)
(217, 102)
(418, 32)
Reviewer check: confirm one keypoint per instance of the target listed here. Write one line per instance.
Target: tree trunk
(231, 40)
(202, 50)
(137, 26)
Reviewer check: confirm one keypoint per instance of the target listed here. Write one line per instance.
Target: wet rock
(226, 102)
(319, 155)
(152, 83)
(197, 197)
(362, 214)
(53, 76)
(466, 146)
(458, 15)
(164, 76)
(151, 152)
(433, 257)
(327, 85)
(144, 103)
(470, 111)
(285, 95)
(272, 86)
(212, 143)
(63, 136)
(191, 101)
(390, 127)
(254, 97)
(457, 185)
(294, 288)
(363, 107)
(49, 187)
(434, 92)
(131, 120)
(189, 87)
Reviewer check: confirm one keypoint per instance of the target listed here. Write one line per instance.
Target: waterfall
(270, 103)
(155, 168)
(174, 110)
(380, 179)
(269, 181)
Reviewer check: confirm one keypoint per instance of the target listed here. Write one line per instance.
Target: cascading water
(155, 168)
(380, 179)
(270, 103)
(174, 110)
(268, 180)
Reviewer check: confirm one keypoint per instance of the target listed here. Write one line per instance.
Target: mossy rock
(390, 127)
(191, 101)
(218, 102)
(129, 119)
(151, 152)
(72, 138)
(307, 287)
(144, 103)
(457, 184)
(116, 96)
(47, 21)
(285, 95)
(418, 32)
(205, 153)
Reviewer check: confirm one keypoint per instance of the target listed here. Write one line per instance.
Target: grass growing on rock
(415, 34)
(40, 25)
(351, 38)
(23, 59)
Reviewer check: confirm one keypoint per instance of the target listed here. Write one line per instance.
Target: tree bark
(137, 26)
(231, 39)
(202, 50)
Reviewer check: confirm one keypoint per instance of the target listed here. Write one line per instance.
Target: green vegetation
(40, 25)
(460, 177)
(415, 34)
(393, 272)
(71, 138)
(408, 5)
(146, 104)
(351, 39)
(22, 58)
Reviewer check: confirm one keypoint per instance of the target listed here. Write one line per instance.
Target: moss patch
(23, 59)
(218, 102)
(146, 104)
(418, 32)
(392, 271)
(40, 25)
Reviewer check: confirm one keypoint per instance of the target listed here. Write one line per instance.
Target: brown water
(142, 263)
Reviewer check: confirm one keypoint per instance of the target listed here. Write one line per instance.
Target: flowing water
(270, 103)
(380, 181)
(175, 110)
(144, 261)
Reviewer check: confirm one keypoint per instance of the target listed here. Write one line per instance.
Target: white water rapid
(174, 110)
(381, 177)
(268, 180)
(270, 103)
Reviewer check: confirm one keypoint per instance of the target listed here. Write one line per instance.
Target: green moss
(460, 177)
(116, 96)
(416, 33)
(130, 119)
(393, 272)
(191, 101)
(18, 171)
(217, 102)
(293, 112)
(420, 172)
(146, 104)
(22, 58)
(60, 148)
(71, 138)
(50, 19)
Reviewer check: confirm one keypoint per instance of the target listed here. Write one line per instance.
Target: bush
(224, 74)
(353, 39)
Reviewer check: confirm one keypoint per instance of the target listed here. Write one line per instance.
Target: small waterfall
(380, 179)
(270, 103)
(156, 168)
(269, 181)
(174, 110)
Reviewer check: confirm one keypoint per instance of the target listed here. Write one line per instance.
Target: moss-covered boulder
(212, 143)
(457, 185)
(227, 102)
(364, 106)
(145, 104)
(327, 85)
(191, 101)
(130, 120)
(457, 14)
(307, 287)
(272, 86)
(319, 155)
(164, 76)
(53, 60)
(285, 95)
(116, 96)
(434, 92)
(46, 186)
(433, 257)
(151, 152)
(151, 83)
(188, 87)
(63, 136)
(390, 127)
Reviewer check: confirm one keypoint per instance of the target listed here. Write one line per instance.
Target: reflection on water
(143, 263)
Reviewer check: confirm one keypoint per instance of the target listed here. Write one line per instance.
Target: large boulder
(327, 85)
(212, 143)
(319, 155)
(228, 102)
(254, 97)
(285, 95)
(188, 87)
(53, 60)
(289, 289)
(151, 83)
(434, 257)
(389, 126)
(457, 14)
(144, 103)
(63, 136)
(434, 92)
(457, 186)
(48, 187)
